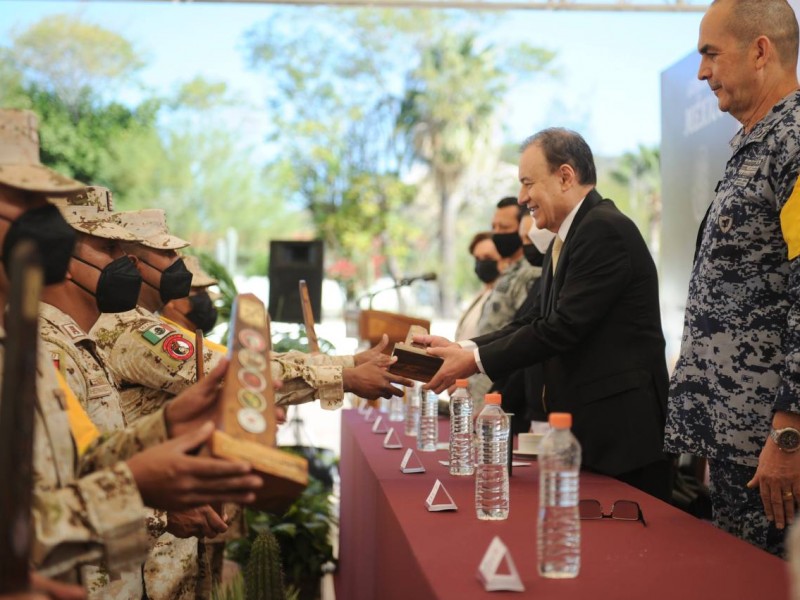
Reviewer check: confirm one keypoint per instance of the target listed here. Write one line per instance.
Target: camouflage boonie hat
(200, 278)
(89, 211)
(20, 166)
(150, 228)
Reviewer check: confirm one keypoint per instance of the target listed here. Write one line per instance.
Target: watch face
(789, 439)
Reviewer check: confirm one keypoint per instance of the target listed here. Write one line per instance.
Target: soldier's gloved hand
(374, 354)
(196, 404)
(371, 381)
(202, 521)
(169, 478)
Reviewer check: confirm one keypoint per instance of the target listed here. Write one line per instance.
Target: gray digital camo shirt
(740, 351)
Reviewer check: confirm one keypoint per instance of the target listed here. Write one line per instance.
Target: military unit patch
(178, 347)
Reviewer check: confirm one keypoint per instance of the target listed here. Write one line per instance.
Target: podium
(372, 324)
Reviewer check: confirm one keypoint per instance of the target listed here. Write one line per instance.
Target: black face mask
(54, 239)
(507, 243)
(486, 270)
(203, 313)
(176, 280)
(532, 255)
(118, 286)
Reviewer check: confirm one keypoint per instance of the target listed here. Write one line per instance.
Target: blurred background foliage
(386, 138)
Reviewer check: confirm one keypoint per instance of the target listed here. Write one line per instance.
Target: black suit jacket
(596, 328)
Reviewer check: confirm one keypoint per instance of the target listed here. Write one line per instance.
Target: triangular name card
(378, 426)
(435, 500)
(497, 570)
(362, 406)
(368, 415)
(411, 463)
(391, 441)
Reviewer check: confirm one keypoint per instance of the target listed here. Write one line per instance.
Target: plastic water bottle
(491, 463)
(461, 459)
(396, 408)
(428, 433)
(559, 526)
(411, 423)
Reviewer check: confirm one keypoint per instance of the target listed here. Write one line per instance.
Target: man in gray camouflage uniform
(735, 391)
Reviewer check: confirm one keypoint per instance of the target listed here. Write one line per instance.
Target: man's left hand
(374, 354)
(778, 479)
(459, 363)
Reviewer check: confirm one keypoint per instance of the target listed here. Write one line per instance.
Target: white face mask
(541, 238)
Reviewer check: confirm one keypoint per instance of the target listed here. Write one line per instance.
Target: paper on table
(496, 553)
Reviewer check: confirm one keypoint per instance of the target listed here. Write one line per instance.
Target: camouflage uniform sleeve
(98, 516)
(121, 445)
(148, 353)
(303, 382)
(316, 359)
(787, 191)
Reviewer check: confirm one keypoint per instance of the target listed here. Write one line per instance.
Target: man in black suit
(596, 325)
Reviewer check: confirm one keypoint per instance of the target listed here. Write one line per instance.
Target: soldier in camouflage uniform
(735, 391)
(197, 311)
(152, 360)
(511, 288)
(98, 518)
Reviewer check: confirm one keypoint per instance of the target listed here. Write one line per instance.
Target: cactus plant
(263, 575)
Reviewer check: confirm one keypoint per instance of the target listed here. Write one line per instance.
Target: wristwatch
(787, 439)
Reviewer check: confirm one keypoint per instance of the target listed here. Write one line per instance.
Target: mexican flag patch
(155, 333)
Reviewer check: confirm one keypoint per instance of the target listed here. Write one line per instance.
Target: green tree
(68, 56)
(640, 172)
(448, 114)
(334, 119)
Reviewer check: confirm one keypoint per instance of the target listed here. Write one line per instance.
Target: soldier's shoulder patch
(178, 347)
(154, 333)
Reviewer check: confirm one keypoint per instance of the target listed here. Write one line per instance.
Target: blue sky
(609, 64)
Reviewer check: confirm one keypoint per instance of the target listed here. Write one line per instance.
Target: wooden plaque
(373, 324)
(246, 423)
(413, 360)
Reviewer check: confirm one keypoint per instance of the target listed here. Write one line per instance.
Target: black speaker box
(289, 262)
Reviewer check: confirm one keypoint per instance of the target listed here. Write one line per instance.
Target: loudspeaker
(289, 262)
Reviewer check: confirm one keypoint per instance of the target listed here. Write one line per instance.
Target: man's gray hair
(565, 147)
(774, 19)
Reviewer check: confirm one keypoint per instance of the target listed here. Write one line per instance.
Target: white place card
(411, 463)
(362, 406)
(378, 426)
(368, 414)
(440, 499)
(391, 441)
(497, 570)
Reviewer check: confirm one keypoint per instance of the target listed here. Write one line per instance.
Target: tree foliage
(173, 150)
(372, 94)
(69, 56)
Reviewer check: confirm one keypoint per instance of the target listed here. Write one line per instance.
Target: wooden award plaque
(246, 423)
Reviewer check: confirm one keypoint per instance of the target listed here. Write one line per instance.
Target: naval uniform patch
(178, 347)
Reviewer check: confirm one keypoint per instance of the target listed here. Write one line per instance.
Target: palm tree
(446, 115)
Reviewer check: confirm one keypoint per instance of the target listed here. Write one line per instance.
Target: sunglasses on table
(621, 510)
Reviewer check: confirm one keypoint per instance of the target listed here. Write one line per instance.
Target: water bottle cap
(560, 420)
(492, 399)
(462, 383)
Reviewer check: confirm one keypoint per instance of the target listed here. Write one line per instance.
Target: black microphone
(423, 277)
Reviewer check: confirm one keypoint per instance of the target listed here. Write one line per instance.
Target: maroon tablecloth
(392, 547)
